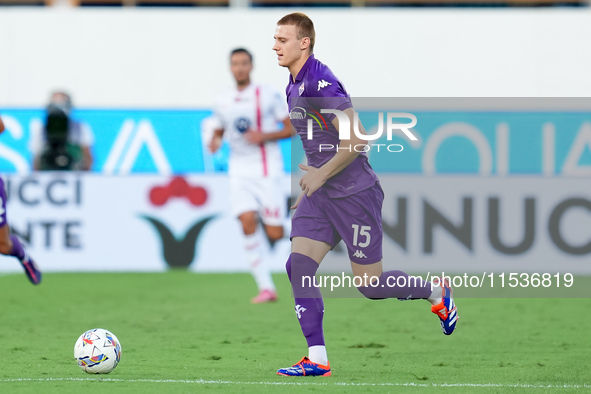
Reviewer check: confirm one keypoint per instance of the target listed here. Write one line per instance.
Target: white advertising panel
(478, 224)
(82, 222)
(79, 222)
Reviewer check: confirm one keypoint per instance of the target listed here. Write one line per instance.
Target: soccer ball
(97, 351)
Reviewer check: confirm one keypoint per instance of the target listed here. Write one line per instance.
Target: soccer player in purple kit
(341, 198)
(10, 244)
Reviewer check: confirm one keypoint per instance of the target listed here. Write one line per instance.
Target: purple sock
(308, 299)
(18, 249)
(397, 284)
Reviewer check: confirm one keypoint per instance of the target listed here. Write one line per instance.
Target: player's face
(241, 66)
(61, 100)
(287, 46)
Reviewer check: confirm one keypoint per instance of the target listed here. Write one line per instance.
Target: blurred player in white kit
(248, 115)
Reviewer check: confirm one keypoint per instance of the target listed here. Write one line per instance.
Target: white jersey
(260, 108)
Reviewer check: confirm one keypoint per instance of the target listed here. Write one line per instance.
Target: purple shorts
(2, 204)
(356, 219)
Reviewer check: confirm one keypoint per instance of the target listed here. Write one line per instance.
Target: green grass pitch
(186, 332)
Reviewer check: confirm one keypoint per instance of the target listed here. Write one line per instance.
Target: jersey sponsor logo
(301, 89)
(298, 113)
(299, 310)
(242, 124)
(322, 84)
(301, 113)
(359, 254)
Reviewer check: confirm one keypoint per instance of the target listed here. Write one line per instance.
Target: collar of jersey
(300, 75)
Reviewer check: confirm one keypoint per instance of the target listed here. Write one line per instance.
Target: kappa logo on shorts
(359, 254)
(299, 310)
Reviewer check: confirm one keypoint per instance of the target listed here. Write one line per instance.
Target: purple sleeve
(332, 95)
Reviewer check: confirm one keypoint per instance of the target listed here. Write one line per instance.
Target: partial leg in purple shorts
(10, 245)
(358, 221)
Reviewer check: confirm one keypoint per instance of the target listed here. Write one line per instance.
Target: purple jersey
(316, 88)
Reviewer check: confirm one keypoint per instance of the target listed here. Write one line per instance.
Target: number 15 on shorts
(361, 231)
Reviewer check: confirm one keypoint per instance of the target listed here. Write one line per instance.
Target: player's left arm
(314, 178)
(2, 128)
(219, 123)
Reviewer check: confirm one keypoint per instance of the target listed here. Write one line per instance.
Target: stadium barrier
(91, 222)
(128, 141)
(479, 190)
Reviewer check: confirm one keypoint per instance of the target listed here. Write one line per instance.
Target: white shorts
(264, 195)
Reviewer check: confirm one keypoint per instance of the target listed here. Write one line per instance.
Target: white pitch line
(203, 381)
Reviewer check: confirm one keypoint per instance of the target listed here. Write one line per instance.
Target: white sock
(436, 296)
(317, 354)
(259, 270)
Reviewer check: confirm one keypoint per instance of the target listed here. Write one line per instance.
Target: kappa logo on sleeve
(322, 84)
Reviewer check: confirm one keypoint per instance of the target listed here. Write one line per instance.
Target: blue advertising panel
(451, 142)
(495, 143)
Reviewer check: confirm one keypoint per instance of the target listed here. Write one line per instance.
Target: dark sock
(18, 250)
(308, 299)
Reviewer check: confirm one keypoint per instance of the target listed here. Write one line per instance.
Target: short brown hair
(304, 25)
(241, 50)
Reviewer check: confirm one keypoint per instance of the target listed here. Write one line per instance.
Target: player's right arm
(314, 178)
(218, 121)
(348, 149)
(216, 140)
(2, 128)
